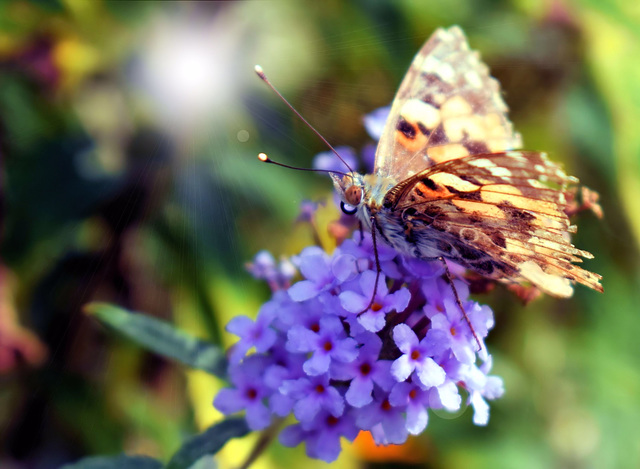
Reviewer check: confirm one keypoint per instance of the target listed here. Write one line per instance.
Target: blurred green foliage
(120, 186)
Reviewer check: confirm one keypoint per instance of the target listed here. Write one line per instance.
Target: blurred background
(128, 135)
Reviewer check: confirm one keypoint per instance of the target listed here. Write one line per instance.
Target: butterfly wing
(500, 214)
(447, 107)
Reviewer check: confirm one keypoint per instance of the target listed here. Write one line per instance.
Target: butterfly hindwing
(447, 107)
(499, 214)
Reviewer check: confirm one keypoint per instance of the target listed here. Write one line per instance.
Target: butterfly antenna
(265, 159)
(264, 78)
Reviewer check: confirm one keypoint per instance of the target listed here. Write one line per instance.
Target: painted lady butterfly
(448, 182)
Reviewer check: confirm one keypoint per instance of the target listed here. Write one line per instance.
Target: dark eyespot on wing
(518, 215)
(468, 253)
(438, 137)
(498, 239)
(407, 129)
(485, 267)
(430, 183)
(423, 129)
(476, 148)
(410, 211)
(474, 218)
(468, 234)
(470, 179)
(466, 195)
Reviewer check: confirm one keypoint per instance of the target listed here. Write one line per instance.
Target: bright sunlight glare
(188, 70)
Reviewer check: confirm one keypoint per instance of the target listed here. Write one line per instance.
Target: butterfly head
(350, 188)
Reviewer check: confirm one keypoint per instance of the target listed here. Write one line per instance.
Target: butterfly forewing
(447, 107)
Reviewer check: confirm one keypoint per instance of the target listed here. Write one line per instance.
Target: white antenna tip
(259, 71)
(263, 157)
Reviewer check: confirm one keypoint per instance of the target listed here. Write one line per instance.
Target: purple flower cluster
(319, 351)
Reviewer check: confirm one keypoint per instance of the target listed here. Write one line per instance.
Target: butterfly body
(448, 181)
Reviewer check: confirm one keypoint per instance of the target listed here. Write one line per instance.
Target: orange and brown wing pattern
(499, 214)
(447, 107)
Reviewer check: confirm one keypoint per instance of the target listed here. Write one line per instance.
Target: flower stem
(263, 442)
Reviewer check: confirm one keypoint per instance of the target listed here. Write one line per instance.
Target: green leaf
(115, 462)
(162, 338)
(208, 442)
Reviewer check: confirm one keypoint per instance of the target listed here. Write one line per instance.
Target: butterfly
(449, 181)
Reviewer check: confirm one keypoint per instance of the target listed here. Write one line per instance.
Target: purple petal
(399, 300)
(258, 416)
(465, 351)
(494, 387)
(436, 341)
(300, 339)
(374, 121)
(449, 396)
(417, 418)
(303, 290)
(313, 264)
(345, 350)
(353, 302)
(382, 375)
(295, 388)
(372, 321)
(328, 161)
(342, 371)
(326, 448)
(368, 416)
(480, 409)
(238, 351)
(343, 267)
(280, 405)
(317, 364)
(266, 339)
(240, 326)
(399, 395)
(291, 436)
(402, 367)
(359, 392)
(229, 401)
(334, 402)
(395, 429)
(405, 338)
(368, 282)
(307, 408)
(332, 325)
(430, 373)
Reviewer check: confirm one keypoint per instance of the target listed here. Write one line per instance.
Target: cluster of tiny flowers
(321, 350)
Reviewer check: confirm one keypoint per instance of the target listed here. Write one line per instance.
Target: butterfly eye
(348, 209)
(353, 195)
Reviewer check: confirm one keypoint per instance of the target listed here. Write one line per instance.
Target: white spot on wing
(552, 284)
(446, 72)
(500, 171)
(473, 78)
(415, 110)
(430, 64)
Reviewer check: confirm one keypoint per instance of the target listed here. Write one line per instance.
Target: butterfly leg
(378, 269)
(455, 294)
